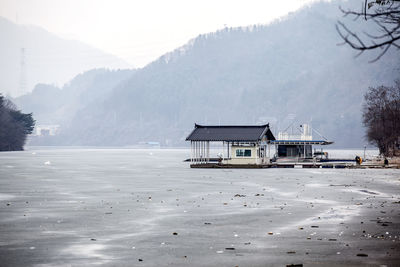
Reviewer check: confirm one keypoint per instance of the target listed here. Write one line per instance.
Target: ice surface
(93, 206)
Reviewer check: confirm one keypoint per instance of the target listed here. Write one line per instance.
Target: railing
(286, 136)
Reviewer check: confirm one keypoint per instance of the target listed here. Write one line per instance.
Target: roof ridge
(221, 126)
(236, 133)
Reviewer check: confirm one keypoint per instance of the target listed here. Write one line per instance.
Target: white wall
(253, 159)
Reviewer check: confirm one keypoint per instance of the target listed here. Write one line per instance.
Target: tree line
(14, 126)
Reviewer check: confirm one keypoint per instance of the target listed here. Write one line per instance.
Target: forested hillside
(53, 105)
(243, 75)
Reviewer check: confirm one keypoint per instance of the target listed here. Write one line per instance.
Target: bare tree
(381, 117)
(386, 16)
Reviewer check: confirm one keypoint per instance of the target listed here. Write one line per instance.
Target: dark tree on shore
(381, 117)
(385, 14)
(14, 126)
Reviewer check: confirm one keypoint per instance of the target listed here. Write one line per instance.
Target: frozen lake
(142, 207)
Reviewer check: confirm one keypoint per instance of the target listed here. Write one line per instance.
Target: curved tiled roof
(230, 133)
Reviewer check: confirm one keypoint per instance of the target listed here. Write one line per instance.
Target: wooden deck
(254, 166)
(230, 166)
(294, 165)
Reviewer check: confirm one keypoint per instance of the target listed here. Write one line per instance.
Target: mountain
(53, 105)
(46, 58)
(264, 73)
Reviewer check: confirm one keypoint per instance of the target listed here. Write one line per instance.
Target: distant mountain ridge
(249, 75)
(53, 105)
(48, 58)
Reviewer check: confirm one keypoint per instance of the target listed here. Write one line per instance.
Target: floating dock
(299, 165)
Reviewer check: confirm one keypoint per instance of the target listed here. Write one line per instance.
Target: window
(295, 151)
(243, 152)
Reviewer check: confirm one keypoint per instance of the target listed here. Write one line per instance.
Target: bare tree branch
(386, 17)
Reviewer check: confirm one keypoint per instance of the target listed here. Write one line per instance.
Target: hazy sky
(141, 31)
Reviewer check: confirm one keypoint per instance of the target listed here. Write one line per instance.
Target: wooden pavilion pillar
(208, 151)
(191, 152)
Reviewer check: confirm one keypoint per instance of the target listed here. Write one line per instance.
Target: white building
(45, 130)
(242, 145)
